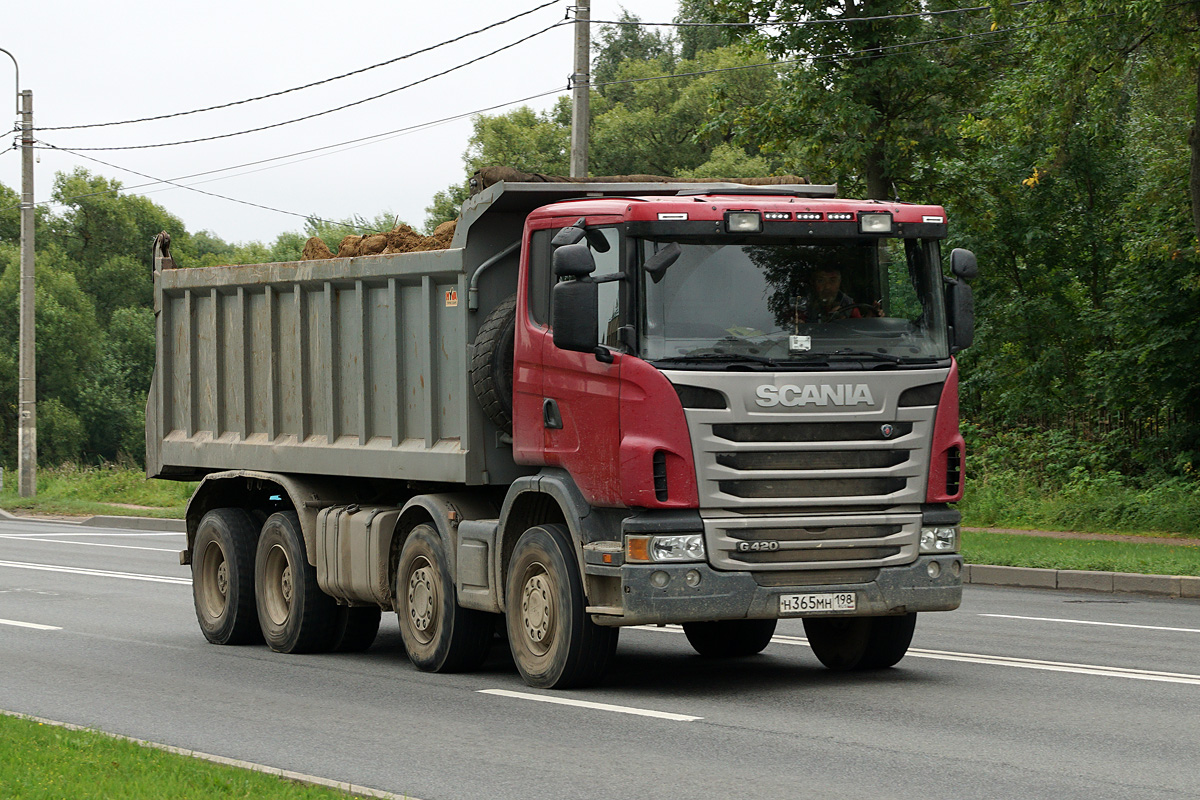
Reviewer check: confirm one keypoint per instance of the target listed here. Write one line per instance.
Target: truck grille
(818, 488)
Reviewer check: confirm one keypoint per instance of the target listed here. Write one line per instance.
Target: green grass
(1102, 503)
(1016, 550)
(46, 762)
(85, 491)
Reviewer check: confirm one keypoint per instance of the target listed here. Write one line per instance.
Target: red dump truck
(603, 405)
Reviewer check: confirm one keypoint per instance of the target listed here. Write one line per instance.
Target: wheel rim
(423, 601)
(214, 581)
(537, 610)
(277, 594)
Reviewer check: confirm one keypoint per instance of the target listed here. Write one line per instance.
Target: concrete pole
(27, 377)
(581, 81)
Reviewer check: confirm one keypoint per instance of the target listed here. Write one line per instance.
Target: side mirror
(571, 235)
(962, 263)
(657, 264)
(573, 260)
(960, 313)
(574, 309)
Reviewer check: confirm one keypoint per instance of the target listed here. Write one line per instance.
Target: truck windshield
(789, 300)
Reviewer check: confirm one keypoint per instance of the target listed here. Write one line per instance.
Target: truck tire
(295, 615)
(554, 642)
(492, 364)
(439, 634)
(732, 638)
(355, 628)
(223, 577)
(860, 643)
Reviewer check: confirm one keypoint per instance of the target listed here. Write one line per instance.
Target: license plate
(810, 603)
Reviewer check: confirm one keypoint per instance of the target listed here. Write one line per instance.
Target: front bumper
(736, 595)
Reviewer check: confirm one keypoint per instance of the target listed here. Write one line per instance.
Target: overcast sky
(90, 62)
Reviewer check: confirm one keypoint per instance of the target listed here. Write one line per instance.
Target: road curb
(137, 523)
(1079, 580)
(298, 777)
(107, 521)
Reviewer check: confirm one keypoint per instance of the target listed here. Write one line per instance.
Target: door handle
(551, 417)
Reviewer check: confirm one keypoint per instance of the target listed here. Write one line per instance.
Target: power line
(307, 85)
(818, 21)
(202, 191)
(331, 110)
(350, 144)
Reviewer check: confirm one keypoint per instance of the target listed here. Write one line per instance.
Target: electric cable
(349, 144)
(305, 86)
(818, 21)
(330, 110)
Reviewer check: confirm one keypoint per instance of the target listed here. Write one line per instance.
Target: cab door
(581, 393)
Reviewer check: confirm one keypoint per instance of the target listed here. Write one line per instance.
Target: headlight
(659, 549)
(939, 540)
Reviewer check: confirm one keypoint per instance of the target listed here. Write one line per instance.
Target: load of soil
(401, 239)
(487, 176)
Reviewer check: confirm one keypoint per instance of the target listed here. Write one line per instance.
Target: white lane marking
(33, 625)
(1089, 622)
(1004, 661)
(72, 533)
(96, 544)
(99, 573)
(565, 701)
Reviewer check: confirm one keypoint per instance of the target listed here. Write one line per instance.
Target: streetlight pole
(581, 82)
(27, 370)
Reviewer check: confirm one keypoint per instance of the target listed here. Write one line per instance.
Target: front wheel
(732, 638)
(859, 643)
(554, 642)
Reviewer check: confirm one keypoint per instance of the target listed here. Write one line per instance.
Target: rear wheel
(858, 643)
(439, 634)
(223, 577)
(295, 615)
(730, 638)
(355, 628)
(554, 642)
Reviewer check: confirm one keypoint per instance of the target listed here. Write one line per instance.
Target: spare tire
(492, 364)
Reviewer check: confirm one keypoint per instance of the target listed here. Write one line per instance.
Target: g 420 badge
(764, 546)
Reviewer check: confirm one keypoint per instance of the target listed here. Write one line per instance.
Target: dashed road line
(566, 701)
(98, 573)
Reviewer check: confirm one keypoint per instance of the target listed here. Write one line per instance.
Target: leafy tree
(617, 45)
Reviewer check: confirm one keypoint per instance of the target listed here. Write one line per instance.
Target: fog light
(659, 579)
(939, 540)
(692, 578)
(934, 569)
(956, 568)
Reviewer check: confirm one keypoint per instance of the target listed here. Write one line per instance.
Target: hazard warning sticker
(452, 298)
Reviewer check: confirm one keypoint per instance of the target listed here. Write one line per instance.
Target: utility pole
(27, 394)
(581, 82)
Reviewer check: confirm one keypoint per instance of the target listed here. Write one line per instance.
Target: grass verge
(107, 489)
(45, 761)
(1016, 550)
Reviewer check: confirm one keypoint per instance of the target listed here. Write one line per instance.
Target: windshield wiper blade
(731, 357)
(868, 354)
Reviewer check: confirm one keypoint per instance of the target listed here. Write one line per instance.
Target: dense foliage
(1061, 136)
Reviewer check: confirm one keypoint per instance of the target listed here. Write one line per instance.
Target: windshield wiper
(868, 354)
(731, 357)
(877, 356)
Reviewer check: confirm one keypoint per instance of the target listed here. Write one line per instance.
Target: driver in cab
(828, 302)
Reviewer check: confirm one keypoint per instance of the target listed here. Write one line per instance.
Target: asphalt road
(1030, 694)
